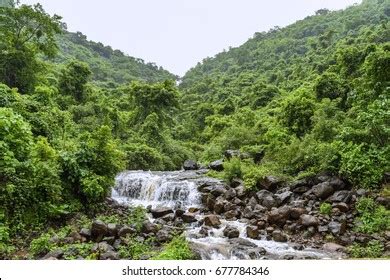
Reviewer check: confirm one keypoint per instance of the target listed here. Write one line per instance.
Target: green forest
(294, 102)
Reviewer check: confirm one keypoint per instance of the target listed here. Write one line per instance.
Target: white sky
(176, 34)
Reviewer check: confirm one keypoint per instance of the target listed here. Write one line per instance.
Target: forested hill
(286, 57)
(107, 65)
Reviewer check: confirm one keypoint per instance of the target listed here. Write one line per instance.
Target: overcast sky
(176, 34)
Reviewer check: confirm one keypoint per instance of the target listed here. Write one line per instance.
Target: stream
(179, 190)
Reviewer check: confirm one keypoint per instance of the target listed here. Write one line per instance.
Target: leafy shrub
(374, 249)
(362, 166)
(325, 208)
(134, 249)
(41, 245)
(372, 217)
(232, 169)
(177, 249)
(142, 157)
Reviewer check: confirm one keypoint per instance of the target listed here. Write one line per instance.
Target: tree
(160, 98)
(73, 79)
(25, 32)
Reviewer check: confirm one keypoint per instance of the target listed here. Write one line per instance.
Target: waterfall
(179, 189)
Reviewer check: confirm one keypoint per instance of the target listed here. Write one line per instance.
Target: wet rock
(270, 182)
(210, 202)
(231, 232)
(279, 216)
(219, 206)
(112, 229)
(218, 190)
(149, 227)
(212, 221)
(240, 191)
(190, 165)
(256, 253)
(232, 214)
(252, 232)
(179, 212)
(189, 217)
(297, 212)
(85, 232)
(163, 236)
(284, 197)
(216, 165)
(248, 213)
(309, 220)
(337, 228)
(56, 254)
(169, 217)
(161, 211)
(111, 255)
(278, 236)
(230, 194)
(323, 190)
(341, 196)
(98, 230)
(125, 231)
(266, 199)
(343, 207)
(333, 247)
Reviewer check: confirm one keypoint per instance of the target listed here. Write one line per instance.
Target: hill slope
(108, 65)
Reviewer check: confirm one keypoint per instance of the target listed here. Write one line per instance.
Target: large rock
(279, 216)
(125, 231)
(231, 232)
(341, 196)
(300, 186)
(161, 212)
(163, 236)
(270, 182)
(309, 220)
(278, 236)
(337, 228)
(219, 206)
(149, 227)
(98, 230)
(230, 194)
(252, 232)
(216, 165)
(333, 247)
(190, 165)
(218, 190)
(212, 221)
(267, 199)
(296, 212)
(284, 196)
(189, 217)
(111, 255)
(323, 190)
(112, 229)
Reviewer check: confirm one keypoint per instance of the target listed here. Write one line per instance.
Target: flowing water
(179, 189)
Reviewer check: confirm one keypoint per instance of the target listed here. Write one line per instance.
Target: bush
(41, 245)
(372, 217)
(142, 157)
(177, 249)
(232, 169)
(374, 249)
(325, 208)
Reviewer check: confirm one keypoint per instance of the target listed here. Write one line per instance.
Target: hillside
(106, 64)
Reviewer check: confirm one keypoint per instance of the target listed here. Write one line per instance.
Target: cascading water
(179, 189)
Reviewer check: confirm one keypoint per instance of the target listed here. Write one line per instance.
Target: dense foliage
(311, 97)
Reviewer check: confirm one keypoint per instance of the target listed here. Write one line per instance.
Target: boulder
(341, 196)
(216, 165)
(111, 255)
(232, 214)
(333, 247)
(284, 196)
(230, 194)
(219, 206)
(98, 230)
(163, 236)
(218, 190)
(270, 182)
(212, 221)
(190, 165)
(112, 229)
(343, 207)
(252, 232)
(279, 216)
(85, 233)
(266, 199)
(256, 253)
(309, 220)
(323, 190)
(161, 211)
(125, 231)
(240, 191)
(231, 232)
(189, 217)
(149, 227)
(337, 228)
(296, 212)
(56, 254)
(278, 236)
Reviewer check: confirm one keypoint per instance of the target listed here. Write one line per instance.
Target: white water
(179, 189)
